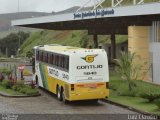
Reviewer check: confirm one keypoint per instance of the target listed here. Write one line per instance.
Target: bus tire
(59, 94)
(95, 101)
(64, 98)
(37, 83)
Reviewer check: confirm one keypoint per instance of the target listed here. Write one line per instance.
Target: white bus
(72, 73)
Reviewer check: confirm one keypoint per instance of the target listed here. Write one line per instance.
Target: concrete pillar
(138, 42)
(113, 46)
(95, 38)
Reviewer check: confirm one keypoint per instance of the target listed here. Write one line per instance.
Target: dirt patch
(63, 34)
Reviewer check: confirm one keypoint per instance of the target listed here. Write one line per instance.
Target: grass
(9, 91)
(27, 72)
(18, 88)
(135, 102)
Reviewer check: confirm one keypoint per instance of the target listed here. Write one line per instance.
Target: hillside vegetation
(72, 38)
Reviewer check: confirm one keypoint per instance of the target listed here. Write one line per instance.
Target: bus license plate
(93, 86)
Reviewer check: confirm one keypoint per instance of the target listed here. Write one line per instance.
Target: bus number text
(53, 72)
(90, 73)
(65, 76)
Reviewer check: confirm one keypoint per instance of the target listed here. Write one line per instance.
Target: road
(48, 104)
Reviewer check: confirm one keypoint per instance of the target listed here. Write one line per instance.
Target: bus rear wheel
(37, 83)
(59, 94)
(64, 98)
(94, 101)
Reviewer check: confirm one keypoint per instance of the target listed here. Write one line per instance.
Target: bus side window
(40, 56)
(66, 63)
(46, 58)
(59, 61)
(63, 61)
(56, 60)
(53, 59)
(37, 55)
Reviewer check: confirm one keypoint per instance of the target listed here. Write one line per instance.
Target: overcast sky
(10, 6)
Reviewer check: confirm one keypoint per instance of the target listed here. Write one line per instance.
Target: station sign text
(94, 13)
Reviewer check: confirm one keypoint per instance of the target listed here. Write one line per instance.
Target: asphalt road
(47, 104)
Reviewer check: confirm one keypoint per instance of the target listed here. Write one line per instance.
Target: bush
(114, 85)
(158, 104)
(31, 91)
(7, 84)
(18, 85)
(25, 89)
(123, 90)
(1, 77)
(15, 87)
(150, 92)
(28, 90)
(32, 84)
(6, 71)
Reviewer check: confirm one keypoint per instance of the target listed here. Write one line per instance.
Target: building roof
(118, 17)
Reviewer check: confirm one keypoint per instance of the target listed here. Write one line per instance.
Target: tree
(84, 41)
(11, 43)
(29, 54)
(128, 69)
(7, 72)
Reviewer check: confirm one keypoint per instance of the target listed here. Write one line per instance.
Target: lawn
(9, 91)
(132, 101)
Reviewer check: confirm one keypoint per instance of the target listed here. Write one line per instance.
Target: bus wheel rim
(63, 97)
(58, 95)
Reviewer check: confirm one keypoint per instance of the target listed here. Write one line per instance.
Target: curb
(129, 108)
(18, 96)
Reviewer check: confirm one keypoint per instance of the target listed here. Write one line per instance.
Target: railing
(113, 3)
(119, 2)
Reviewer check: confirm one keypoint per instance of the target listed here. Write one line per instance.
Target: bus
(72, 73)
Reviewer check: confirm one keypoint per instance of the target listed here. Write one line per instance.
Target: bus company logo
(89, 58)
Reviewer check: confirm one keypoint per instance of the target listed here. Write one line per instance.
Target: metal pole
(6, 52)
(134, 2)
(19, 43)
(112, 3)
(113, 46)
(95, 41)
(18, 6)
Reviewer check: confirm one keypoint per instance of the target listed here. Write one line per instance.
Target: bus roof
(57, 48)
(60, 48)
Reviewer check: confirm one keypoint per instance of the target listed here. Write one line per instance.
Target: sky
(11, 6)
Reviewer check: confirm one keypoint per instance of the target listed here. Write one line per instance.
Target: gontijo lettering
(90, 67)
